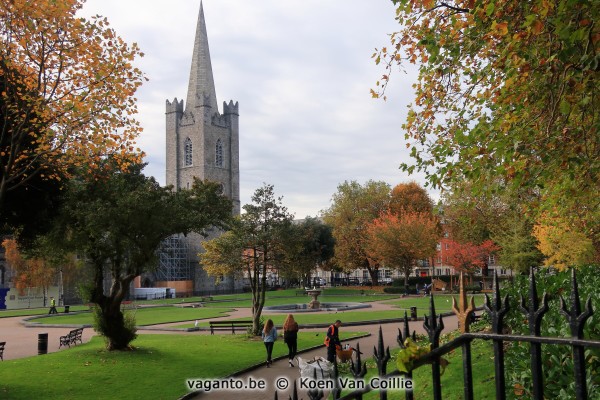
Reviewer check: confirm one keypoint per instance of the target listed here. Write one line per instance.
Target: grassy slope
(157, 369)
(452, 378)
(145, 316)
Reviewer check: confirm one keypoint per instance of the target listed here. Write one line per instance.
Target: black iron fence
(533, 310)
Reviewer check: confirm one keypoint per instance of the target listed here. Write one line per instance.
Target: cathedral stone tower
(203, 143)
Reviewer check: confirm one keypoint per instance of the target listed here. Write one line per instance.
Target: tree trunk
(113, 327)
(109, 319)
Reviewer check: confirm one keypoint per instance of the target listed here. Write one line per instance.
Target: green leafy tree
(117, 219)
(470, 216)
(311, 245)
(254, 247)
(518, 246)
(506, 89)
(354, 206)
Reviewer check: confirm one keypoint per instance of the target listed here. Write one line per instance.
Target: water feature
(315, 305)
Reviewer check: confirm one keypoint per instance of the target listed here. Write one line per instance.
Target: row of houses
(439, 265)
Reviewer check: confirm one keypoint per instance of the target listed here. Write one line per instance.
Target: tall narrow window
(188, 153)
(219, 154)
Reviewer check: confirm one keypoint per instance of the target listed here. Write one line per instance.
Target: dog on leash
(345, 354)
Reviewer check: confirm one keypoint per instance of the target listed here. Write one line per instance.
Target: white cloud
(301, 71)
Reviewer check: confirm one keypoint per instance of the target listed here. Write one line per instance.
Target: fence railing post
(534, 313)
(577, 320)
(497, 311)
(434, 329)
(359, 370)
(381, 357)
(408, 394)
(464, 312)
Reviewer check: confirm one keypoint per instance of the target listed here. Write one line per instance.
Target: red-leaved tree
(468, 257)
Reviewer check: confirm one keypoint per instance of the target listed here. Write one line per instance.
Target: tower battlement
(231, 108)
(220, 120)
(175, 106)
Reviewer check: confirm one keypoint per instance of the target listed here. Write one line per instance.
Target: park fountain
(315, 305)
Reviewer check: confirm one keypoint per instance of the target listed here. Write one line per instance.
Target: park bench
(71, 338)
(227, 325)
(2, 344)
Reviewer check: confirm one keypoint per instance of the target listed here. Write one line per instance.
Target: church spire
(201, 85)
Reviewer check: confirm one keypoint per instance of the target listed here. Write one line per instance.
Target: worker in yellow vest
(332, 341)
(52, 306)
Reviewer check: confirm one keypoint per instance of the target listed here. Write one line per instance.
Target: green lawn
(482, 358)
(324, 298)
(24, 312)
(157, 369)
(452, 379)
(326, 318)
(443, 303)
(145, 316)
(275, 297)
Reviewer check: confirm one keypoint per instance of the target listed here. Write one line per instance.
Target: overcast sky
(301, 71)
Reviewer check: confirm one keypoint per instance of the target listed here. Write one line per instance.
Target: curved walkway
(22, 341)
(280, 371)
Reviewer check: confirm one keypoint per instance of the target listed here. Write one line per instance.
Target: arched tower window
(219, 154)
(187, 159)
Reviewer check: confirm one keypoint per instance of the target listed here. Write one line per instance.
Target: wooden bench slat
(222, 325)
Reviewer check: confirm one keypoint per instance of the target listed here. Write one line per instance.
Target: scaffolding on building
(173, 264)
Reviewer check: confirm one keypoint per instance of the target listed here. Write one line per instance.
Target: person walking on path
(290, 337)
(269, 336)
(52, 306)
(332, 341)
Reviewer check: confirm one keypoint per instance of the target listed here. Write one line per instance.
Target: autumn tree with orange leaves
(354, 206)
(40, 267)
(507, 94)
(410, 197)
(563, 246)
(28, 272)
(398, 241)
(67, 97)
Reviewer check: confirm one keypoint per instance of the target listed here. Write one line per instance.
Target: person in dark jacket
(290, 337)
(332, 341)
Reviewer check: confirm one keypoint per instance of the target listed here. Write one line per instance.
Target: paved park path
(281, 371)
(22, 342)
